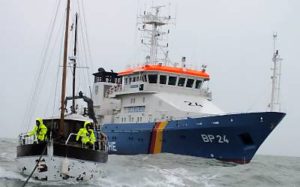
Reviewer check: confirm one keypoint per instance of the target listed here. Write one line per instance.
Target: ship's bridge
(152, 93)
(158, 77)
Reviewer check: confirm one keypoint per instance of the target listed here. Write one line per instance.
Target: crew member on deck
(39, 130)
(87, 134)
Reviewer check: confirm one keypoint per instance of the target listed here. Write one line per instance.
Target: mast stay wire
(80, 51)
(57, 38)
(44, 67)
(57, 78)
(257, 99)
(85, 81)
(86, 49)
(85, 31)
(31, 105)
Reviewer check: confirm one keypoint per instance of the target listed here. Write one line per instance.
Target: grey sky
(233, 37)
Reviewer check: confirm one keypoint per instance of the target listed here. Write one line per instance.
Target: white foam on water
(151, 171)
(173, 176)
(7, 157)
(206, 180)
(177, 177)
(5, 174)
(145, 158)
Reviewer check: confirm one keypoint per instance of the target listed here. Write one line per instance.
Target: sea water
(168, 170)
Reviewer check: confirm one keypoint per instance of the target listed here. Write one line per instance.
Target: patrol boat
(61, 157)
(165, 107)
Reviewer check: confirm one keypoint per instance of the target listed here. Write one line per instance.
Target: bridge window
(126, 80)
(190, 83)
(181, 81)
(134, 109)
(172, 80)
(139, 119)
(198, 84)
(152, 79)
(162, 79)
(145, 78)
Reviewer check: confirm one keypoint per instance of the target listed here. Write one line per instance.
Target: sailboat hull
(232, 137)
(60, 162)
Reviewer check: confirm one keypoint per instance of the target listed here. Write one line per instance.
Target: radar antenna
(153, 34)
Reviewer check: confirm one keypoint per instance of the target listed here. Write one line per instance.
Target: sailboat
(61, 157)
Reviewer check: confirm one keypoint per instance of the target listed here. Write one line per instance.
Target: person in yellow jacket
(39, 130)
(86, 134)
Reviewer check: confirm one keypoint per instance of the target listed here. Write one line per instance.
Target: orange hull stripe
(153, 138)
(157, 137)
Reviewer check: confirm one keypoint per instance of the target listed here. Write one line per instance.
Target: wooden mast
(64, 75)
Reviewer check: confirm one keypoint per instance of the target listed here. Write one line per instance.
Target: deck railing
(24, 139)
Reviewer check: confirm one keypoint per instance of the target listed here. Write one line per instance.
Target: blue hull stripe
(233, 137)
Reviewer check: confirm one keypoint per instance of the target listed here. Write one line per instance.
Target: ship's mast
(64, 75)
(152, 23)
(74, 64)
(276, 73)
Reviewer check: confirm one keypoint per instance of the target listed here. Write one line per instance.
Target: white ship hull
(54, 167)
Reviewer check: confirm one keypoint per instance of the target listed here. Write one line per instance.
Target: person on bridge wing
(39, 130)
(87, 134)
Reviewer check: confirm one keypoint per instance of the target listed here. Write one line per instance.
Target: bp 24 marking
(218, 138)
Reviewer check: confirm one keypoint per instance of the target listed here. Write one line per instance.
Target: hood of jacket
(86, 123)
(40, 120)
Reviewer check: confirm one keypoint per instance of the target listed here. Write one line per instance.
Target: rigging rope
(30, 108)
(37, 163)
(90, 60)
(55, 43)
(57, 78)
(84, 52)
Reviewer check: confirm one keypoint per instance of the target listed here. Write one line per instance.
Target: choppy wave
(169, 170)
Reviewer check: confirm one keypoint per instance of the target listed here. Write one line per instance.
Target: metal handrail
(74, 134)
(71, 134)
(24, 139)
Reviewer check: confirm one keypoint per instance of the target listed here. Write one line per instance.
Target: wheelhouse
(163, 76)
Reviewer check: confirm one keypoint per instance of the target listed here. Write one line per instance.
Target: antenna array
(276, 69)
(154, 34)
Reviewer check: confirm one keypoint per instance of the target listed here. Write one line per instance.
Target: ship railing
(24, 139)
(70, 135)
(195, 116)
(103, 144)
(74, 134)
